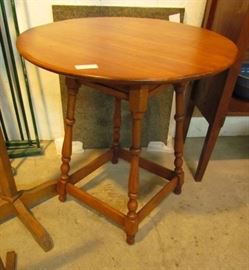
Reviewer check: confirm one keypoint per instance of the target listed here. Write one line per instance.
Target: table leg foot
(36, 229)
(178, 190)
(130, 239)
(62, 198)
(115, 156)
(131, 225)
(61, 190)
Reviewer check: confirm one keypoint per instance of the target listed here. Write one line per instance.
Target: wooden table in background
(135, 58)
(214, 96)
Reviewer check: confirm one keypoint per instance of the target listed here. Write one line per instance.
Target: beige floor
(206, 228)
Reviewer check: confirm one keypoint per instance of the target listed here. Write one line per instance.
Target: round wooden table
(130, 59)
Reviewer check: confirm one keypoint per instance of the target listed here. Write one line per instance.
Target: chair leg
(73, 87)
(138, 105)
(207, 149)
(179, 118)
(189, 106)
(116, 130)
(188, 115)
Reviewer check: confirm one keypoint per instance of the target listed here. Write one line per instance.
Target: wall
(193, 8)
(45, 85)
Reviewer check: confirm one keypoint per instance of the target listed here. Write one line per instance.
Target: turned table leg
(138, 104)
(116, 130)
(72, 88)
(179, 140)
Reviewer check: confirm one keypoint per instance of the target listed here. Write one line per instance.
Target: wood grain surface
(132, 50)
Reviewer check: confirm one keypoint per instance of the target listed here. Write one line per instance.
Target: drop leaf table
(130, 59)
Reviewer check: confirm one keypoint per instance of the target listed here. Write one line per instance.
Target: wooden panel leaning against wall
(94, 110)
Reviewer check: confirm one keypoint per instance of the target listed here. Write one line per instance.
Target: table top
(127, 50)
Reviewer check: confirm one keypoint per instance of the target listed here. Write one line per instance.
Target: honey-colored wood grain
(138, 101)
(131, 53)
(73, 88)
(11, 260)
(90, 167)
(7, 182)
(156, 199)
(149, 165)
(10, 198)
(1, 264)
(129, 50)
(178, 141)
(30, 198)
(36, 229)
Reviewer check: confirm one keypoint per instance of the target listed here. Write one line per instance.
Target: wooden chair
(14, 199)
(232, 21)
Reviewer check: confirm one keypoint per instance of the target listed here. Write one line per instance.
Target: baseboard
(233, 126)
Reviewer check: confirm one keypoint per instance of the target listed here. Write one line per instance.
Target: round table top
(127, 50)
